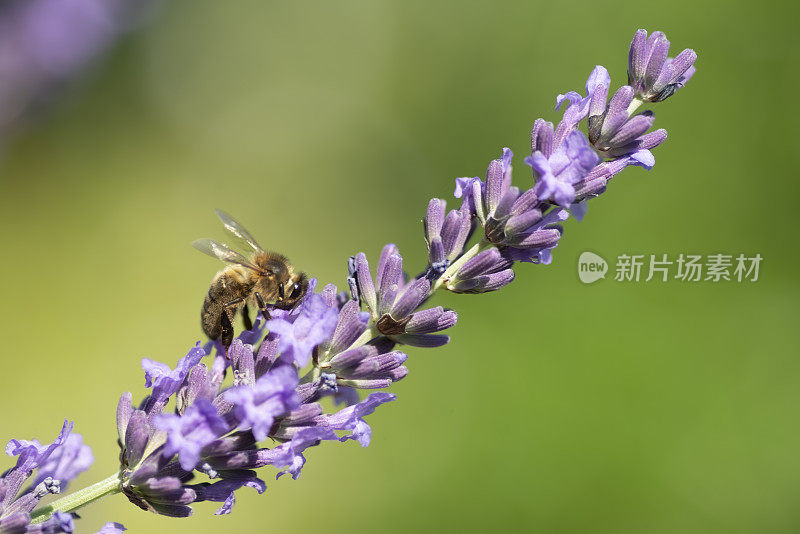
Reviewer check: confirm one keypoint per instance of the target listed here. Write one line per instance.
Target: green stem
(634, 105)
(73, 501)
(368, 334)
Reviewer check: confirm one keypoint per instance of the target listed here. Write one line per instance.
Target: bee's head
(291, 293)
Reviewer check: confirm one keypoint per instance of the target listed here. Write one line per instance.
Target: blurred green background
(326, 126)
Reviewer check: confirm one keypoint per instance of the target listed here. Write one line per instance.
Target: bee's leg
(262, 306)
(226, 337)
(248, 324)
(226, 322)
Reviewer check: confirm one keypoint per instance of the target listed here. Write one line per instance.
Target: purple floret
(187, 434)
(300, 332)
(165, 381)
(272, 395)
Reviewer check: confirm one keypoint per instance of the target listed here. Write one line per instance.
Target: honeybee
(264, 279)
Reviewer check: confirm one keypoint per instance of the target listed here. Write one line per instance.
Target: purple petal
(464, 189)
(564, 194)
(539, 162)
(227, 506)
(597, 105)
(66, 461)
(485, 262)
(414, 294)
(366, 288)
(386, 254)
(523, 221)
(525, 202)
(653, 139)
(542, 137)
(422, 340)
(455, 231)
(377, 366)
(124, 412)
(571, 96)
(431, 320)
(351, 418)
(495, 184)
(187, 434)
(257, 407)
(675, 68)
(636, 57)
(598, 77)
(290, 454)
(659, 50)
(617, 112)
(352, 357)
(486, 283)
(314, 324)
(686, 76)
(164, 381)
(463, 185)
(544, 238)
(223, 490)
(643, 158)
(34, 450)
(349, 327)
(434, 218)
(635, 127)
(545, 257)
(58, 522)
(390, 283)
(578, 210)
(507, 157)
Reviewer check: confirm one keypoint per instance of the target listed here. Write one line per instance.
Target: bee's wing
(238, 230)
(221, 251)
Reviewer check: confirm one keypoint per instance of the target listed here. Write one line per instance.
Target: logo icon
(591, 267)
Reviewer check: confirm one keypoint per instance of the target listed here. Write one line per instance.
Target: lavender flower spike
(654, 76)
(209, 418)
